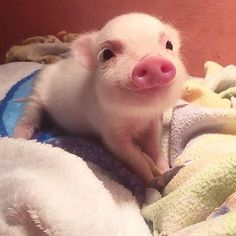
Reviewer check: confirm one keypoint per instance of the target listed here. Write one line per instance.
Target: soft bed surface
(200, 199)
(199, 132)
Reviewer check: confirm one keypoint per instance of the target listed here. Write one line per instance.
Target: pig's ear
(83, 49)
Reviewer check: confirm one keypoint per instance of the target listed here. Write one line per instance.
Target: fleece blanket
(201, 130)
(45, 190)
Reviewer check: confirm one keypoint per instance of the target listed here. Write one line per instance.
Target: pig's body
(71, 85)
(116, 86)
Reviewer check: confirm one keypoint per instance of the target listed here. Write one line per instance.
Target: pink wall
(208, 26)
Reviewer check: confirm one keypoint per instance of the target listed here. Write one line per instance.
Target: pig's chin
(159, 84)
(139, 101)
(159, 95)
(149, 92)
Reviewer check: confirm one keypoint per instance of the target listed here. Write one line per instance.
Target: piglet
(116, 85)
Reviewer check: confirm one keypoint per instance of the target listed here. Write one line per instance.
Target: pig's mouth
(155, 86)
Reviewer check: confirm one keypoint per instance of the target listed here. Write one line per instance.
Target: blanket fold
(60, 195)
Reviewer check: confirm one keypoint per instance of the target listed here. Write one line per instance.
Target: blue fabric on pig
(11, 109)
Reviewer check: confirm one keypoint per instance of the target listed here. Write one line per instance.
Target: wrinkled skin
(116, 85)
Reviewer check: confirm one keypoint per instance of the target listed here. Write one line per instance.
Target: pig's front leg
(123, 146)
(151, 144)
(30, 119)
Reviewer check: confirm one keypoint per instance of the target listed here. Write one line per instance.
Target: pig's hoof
(161, 181)
(152, 195)
(23, 131)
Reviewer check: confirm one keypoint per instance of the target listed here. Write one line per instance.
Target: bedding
(199, 133)
(201, 136)
(42, 49)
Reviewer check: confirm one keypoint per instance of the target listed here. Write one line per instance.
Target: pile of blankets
(45, 190)
(42, 49)
(200, 134)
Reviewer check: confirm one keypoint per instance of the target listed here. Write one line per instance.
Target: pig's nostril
(142, 73)
(153, 71)
(166, 68)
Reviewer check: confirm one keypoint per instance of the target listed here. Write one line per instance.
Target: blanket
(201, 136)
(199, 132)
(48, 191)
(42, 49)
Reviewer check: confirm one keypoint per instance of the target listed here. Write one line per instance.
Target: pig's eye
(106, 54)
(169, 45)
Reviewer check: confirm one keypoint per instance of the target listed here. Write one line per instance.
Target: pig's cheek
(182, 73)
(179, 66)
(177, 87)
(105, 91)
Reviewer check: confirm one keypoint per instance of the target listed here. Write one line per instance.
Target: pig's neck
(118, 118)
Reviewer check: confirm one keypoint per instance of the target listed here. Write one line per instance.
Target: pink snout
(153, 71)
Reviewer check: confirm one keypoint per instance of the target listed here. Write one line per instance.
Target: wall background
(208, 26)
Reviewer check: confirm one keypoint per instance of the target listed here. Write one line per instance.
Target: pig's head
(134, 62)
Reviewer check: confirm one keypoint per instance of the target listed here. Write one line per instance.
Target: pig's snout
(153, 71)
